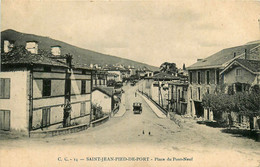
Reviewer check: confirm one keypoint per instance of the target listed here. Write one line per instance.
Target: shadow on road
(241, 133)
(212, 124)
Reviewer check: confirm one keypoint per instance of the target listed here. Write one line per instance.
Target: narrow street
(129, 135)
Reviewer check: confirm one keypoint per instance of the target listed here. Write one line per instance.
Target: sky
(151, 32)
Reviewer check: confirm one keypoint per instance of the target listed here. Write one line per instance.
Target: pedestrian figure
(149, 133)
(143, 132)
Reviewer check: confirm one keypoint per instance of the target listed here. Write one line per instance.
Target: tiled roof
(252, 65)
(107, 90)
(20, 56)
(112, 74)
(221, 57)
(164, 75)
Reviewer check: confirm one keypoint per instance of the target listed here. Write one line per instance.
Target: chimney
(32, 46)
(235, 54)
(246, 53)
(199, 59)
(8, 46)
(56, 50)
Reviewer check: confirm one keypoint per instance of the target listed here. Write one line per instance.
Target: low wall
(155, 103)
(99, 121)
(61, 131)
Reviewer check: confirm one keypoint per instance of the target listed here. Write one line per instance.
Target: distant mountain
(80, 55)
(253, 42)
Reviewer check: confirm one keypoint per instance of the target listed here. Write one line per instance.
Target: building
(100, 78)
(48, 91)
(103, 96)
(156, 87)
(205, 75)
(178, 97)
(242, 71)
(113, 77)
(240, 75)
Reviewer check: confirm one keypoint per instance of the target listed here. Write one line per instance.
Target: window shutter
(7, 88)
(1, 88)
(4, 88)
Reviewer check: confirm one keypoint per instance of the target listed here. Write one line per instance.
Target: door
(199, 109)
(4, 120)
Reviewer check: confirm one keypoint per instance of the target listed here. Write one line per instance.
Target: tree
(168, 67)
(244, 103)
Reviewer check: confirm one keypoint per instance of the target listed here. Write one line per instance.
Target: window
(199, 81)
(238, 72)
(207, 77)
(4, 88)
(4, 119)
(47, 69)
(83, 109)
(208, 90)
(83, 86)
(179, 95)
(191, 77)
(217, 76)
(198, 93)
(95, 81)
(46, 117)
(191, 93)
(46, 87)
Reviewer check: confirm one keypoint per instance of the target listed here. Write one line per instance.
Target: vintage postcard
(141, 83)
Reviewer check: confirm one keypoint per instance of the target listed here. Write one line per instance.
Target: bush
(245, 103)
(97, 111)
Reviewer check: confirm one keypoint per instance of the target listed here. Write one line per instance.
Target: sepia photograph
(121, 83)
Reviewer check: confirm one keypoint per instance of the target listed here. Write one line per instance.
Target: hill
(80, 55)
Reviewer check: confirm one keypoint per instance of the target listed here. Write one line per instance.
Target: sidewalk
(122, 108)
(155, 109)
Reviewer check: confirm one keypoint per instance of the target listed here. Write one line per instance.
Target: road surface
(137, 135)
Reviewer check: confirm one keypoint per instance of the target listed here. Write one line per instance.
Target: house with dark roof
(104, 97)
(242, 71)
(239, 76)
(42, 91)
(205, 75)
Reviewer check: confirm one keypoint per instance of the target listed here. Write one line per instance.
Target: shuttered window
(46, 88)
(199, 81)
(83, 109)
(4, 88)
(207, 77)
(4, 120)
(83, 86)
(46, 117)
(190, 77)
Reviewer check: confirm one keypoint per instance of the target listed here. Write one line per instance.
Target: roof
(164, 75)
(20, 56)
(218, 59)
(112, 74)
(106, 90)
(251, 65)
(179, 83)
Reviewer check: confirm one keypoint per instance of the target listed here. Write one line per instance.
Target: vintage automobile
(137, 108)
